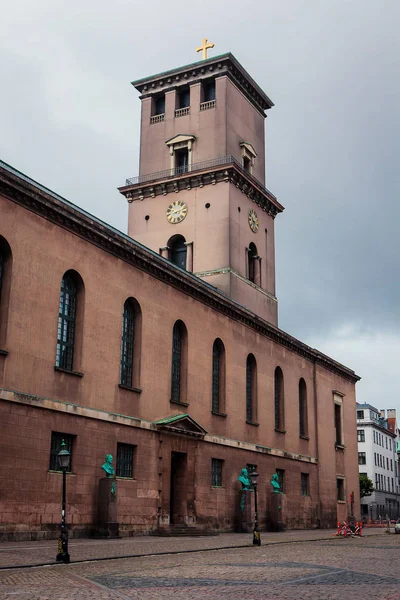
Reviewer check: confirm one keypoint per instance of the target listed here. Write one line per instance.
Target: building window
(181, 161)
(251, 389)
(387, 463)
(374, 435)
(252, 258)
(5, 284)
(127, 343)
(392, 485)
(55, 447)
(179, 363)
(391, 464)
(375, 458)
(376, 481)
(360, 414)
(386, 443)
(340, 489)
(303, 408)
(390, 443)
(360, 435)
(184, 98)
(281, 479)
(305, 484)
(362, 459)
(216, 472)
(159, 105)
(178, 251)
(125, 454)
(209, 91)
(218, 377)
(67, 318)
(338, 423)
(279, 400)
(248, 156)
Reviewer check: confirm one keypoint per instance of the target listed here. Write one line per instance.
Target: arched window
(130, 344)
(5, 284)
(179, 363)
(252, 258)
(279, 400)
(71, 289)
(178, 251)
(218, 377)
(303, 419)
(251, 389)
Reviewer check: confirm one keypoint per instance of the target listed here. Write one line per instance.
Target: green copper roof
(171, 419)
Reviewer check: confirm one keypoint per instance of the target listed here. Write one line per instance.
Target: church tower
(200, 198)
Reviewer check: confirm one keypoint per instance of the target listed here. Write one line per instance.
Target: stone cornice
(225, 64)
(27, 193)
(211, 176)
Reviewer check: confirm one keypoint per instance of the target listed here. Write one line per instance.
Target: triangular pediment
(180, 138)
(249, 147)
(181, 423)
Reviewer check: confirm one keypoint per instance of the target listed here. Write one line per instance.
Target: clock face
(177, 211)
(253, 220)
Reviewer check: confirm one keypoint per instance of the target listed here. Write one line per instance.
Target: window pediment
(181, 138)
(181, 423)
(248, 150)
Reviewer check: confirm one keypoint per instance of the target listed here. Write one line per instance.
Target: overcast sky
(69, 118)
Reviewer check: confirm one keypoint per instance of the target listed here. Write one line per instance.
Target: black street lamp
(256, 531)
(63, 459)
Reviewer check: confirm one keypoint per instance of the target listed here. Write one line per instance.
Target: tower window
(182, 160)
(247, 164)
(159, 107)
(252, 257)
(178, 251)
(209, 91)
(184, 98)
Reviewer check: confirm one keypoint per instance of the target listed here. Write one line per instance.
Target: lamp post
(63, 460)
(256, 531)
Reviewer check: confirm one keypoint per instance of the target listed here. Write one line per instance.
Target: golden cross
(204, 48)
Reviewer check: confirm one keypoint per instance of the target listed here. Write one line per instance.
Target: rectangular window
(338, 424)
(340, 489)
(387, 463)
(375, 458)
(392, 485)
(55, 447)
(374, 436)
(305, 484)
(281, 479)
(390, 443)
(125, 454)
(362, 459)
(386, 443)
(376, 481)
(216, 472)
(360, 435)
(391, 464)
(360, 414)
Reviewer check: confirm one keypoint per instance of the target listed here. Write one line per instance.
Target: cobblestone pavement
(44, 552)
(336, 569)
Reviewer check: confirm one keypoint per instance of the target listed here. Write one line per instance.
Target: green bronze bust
(275, 483)
(246, 484)
(107, 467)
(244, 479)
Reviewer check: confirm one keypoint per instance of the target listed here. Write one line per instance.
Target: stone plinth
(244, 521)
(275, 512)
(107, 524)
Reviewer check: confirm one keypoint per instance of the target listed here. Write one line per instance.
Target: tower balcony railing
(157, 118)
(196, 167)
(208, 104)
(181, 112)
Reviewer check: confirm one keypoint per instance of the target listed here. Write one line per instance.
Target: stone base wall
(30, 496)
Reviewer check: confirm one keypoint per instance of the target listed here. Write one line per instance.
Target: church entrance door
(178, 489)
